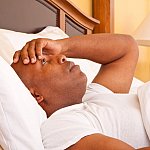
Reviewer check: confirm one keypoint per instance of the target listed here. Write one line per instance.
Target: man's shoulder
(66, 112)
(94, 89)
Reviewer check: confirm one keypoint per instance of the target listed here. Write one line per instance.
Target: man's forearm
(100, 48)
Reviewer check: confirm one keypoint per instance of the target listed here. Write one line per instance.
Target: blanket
(144, 100)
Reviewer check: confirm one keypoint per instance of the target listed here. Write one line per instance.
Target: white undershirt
(102, 111)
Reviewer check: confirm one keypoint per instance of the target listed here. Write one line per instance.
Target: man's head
(53, 81)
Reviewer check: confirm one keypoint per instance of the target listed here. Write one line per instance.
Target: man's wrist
(65, 47)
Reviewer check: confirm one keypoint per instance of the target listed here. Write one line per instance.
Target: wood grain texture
(68, 9)
(42, 13)
(103, 10)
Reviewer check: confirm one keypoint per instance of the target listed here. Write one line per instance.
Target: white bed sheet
(144, 100)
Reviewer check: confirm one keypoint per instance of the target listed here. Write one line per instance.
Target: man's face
(54, 76)
(56, 73)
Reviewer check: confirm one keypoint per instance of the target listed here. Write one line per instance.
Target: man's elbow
(132, 47)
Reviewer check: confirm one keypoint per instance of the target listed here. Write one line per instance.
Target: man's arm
(118, 55)
(100, 142)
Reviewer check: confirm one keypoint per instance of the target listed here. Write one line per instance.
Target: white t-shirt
(102, 111)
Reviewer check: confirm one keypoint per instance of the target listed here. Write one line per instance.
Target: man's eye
(43, 61)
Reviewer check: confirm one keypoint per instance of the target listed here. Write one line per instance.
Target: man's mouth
(73, 66)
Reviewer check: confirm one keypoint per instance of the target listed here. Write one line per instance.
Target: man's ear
(39, 98)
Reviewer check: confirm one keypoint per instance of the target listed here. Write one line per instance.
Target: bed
(28, 19)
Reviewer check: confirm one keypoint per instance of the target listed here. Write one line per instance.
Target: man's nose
(58, 58)
(61, 59)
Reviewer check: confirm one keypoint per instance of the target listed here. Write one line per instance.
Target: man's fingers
(31, 52)
(40, 44)
(16, 56)
(24, 54)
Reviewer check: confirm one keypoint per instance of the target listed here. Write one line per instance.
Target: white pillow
(20, 115)
(6, 48)
(144, 100)
(12, 41)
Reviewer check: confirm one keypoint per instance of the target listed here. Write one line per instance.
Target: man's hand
(36, 49)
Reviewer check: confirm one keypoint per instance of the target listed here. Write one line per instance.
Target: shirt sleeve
(94, 89)
(64, 129)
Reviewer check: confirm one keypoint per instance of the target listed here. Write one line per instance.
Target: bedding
(144, 99)
(11, 41)
(20, 115)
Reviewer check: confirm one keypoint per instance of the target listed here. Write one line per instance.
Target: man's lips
(72, 64)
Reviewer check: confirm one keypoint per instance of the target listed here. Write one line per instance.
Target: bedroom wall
(84, 5)
(128, 15)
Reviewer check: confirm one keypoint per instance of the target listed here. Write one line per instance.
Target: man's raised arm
(118, 55)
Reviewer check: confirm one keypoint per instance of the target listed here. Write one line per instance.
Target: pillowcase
(20, 114)
(144, 95)
(6, 48)
(12, 41)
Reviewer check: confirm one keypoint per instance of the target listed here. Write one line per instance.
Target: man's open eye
(43, 61)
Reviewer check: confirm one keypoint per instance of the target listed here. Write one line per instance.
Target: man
(90, 122)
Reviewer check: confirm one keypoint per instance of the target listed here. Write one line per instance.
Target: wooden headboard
(103, 10)
(31, 16)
